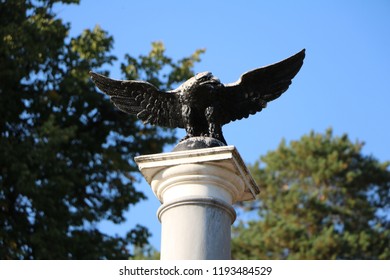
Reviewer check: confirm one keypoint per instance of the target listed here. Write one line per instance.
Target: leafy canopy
(321, 199)
(66, 154)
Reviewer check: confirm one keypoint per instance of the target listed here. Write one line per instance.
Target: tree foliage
(66, 154)
(321, 199)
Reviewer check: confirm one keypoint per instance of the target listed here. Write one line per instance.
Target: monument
(199, 181)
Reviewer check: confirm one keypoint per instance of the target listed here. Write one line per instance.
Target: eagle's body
(199, 106)
(202, 104)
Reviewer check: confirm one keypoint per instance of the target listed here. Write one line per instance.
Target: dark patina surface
(202, 104)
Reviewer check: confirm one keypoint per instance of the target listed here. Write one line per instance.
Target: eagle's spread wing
(255, 88)
(143, 100)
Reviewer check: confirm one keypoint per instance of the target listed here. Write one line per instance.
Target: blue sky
(343, 84)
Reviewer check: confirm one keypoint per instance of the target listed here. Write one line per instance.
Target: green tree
(146, 252)
(66, 154)
(321, 199)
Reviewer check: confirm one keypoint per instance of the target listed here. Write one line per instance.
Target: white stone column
(197, 189)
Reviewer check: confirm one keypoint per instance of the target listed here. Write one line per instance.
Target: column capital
(218, 166)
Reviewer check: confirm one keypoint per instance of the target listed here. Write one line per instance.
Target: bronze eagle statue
(202, 104)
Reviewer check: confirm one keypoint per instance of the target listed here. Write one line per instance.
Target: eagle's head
(200, 81)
